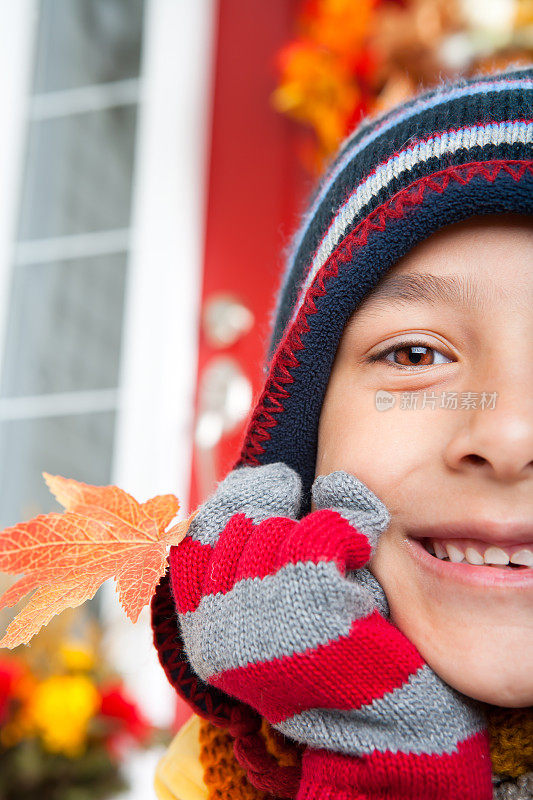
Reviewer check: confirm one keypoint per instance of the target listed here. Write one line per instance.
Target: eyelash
(398, 346)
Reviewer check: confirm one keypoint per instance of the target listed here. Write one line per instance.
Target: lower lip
(469, 574)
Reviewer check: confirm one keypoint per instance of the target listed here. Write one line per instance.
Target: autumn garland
(351, 60)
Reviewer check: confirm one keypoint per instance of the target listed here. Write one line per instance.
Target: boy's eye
(411, 355)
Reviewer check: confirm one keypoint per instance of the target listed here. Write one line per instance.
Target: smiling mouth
(476, 553)
(454, 572)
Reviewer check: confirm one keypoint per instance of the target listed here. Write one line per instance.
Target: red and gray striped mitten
(282, 614)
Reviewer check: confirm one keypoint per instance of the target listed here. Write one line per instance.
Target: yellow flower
(76, 656)
(60, 710)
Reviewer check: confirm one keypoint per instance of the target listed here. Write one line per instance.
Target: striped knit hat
(457, 151)
(460, 150)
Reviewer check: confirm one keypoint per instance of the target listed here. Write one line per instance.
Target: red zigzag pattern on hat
(285, 360)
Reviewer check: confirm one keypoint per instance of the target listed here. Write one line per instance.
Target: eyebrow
(460, 290)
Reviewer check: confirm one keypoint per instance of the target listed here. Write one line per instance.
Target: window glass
(64, 326)
(75, 445)
(78, 173)
(83, 42)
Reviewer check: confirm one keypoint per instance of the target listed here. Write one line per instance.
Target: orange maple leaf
(103, 533)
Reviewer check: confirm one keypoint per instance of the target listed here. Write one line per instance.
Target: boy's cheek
(381, 448)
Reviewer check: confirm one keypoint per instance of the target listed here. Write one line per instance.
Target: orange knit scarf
(511, 749)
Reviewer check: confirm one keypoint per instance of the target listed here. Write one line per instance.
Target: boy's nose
(498, 441)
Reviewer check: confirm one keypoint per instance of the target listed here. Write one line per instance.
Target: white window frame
(17, 38)
(153, 440)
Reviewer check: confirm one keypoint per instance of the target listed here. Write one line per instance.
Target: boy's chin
(491, 666)
(503, 689)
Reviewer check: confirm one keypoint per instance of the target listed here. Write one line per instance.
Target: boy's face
(448, 467)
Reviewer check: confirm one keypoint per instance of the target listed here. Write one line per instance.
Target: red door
(256, 189)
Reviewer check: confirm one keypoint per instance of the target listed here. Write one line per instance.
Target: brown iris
(413, 355)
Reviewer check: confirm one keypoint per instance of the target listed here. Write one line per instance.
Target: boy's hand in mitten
(281, 614)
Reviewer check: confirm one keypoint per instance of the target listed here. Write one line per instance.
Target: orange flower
(316, 89)
(327, 75)
(341, 26)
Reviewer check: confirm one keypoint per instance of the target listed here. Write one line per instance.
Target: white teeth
(440, 550)
(481, 554)
(495, 555)
(524, 557)
(454, 554)
(472, 556)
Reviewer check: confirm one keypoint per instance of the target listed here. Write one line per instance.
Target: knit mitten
(282, 615)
